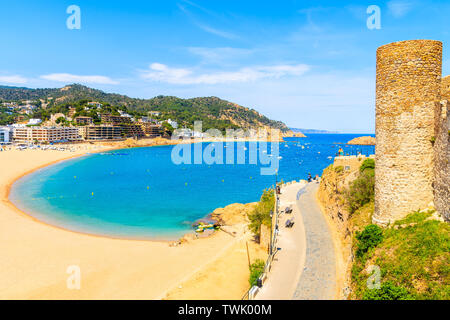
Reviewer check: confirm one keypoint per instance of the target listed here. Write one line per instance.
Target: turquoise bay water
(140, 194)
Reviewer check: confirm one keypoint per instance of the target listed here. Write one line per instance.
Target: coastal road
(304, 268)
(318, 277)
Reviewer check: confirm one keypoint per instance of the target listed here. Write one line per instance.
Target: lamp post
(276, 178)
(271, 236)
(276, 212)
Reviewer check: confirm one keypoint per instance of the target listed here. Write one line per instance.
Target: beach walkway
(304, 267)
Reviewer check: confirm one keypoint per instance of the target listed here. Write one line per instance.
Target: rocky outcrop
(299, 135)
(292, 134)
(335, 180)
(235, 213)
(363, 141)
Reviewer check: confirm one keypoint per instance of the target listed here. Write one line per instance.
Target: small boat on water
(201, 227)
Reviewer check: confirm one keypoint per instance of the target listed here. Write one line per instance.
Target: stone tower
(408, 87)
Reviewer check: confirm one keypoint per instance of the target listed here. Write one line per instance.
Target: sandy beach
(35, 256)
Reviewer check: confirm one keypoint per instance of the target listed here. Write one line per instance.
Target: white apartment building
(154, 113)
(46, 134)
(5, 135)
(173, 123)
(96, 104)
(34, 122)
(188, 133)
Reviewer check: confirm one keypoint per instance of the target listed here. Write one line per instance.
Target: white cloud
(217, 32)
(220, 54)
(201, 25)
(399, 8)
(13, 79)
(67, 77)
(162, 73)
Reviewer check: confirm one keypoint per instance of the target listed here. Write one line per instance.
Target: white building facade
(46, 134)
(34, 122)
(174, 124)
(5, 135)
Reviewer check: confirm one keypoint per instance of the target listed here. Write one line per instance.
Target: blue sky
(310, 64)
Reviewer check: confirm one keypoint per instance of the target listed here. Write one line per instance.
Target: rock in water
(363, 141)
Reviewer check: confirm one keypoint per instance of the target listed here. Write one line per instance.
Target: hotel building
(151, 130)
(115, 120)
(103, 132)
(5, 135)
(45, 134)
(133, 130)
(84, 120)
(110, 132)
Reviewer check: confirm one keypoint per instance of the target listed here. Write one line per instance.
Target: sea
(142, 193)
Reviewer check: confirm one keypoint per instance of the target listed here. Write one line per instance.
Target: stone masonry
(442, 152)
(412, 150)
(445, 85)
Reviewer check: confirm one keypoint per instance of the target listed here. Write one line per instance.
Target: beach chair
(290, 223)
(287, 223)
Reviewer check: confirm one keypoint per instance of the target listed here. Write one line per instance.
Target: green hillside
(214, 112)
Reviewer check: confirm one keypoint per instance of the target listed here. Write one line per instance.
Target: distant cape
(306, 131)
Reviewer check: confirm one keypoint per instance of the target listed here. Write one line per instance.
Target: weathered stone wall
(408, 85)
(350, 163)
(445, 85)
(332, 186)
(335, 181)
(442, 159)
